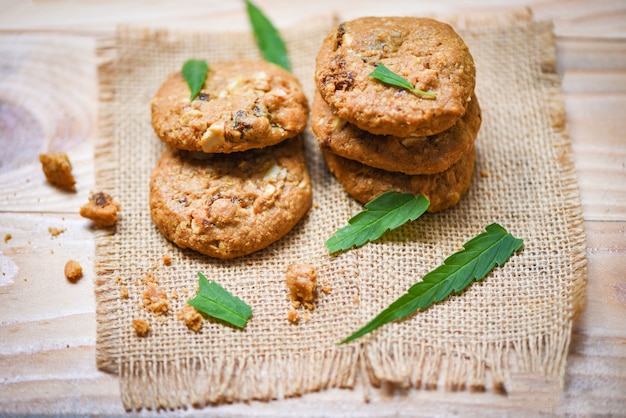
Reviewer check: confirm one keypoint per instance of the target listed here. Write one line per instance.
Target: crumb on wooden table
(155, 300)
(191, 317)
(301, 280)
(141, 327)
(73, 271)
(55, 232)
(57, 168)
(101, 209)
(7, 237)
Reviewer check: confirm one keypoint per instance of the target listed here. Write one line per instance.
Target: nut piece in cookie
(101, 209)
(58, 170)
(230, 205)
(429, 54)
(301, 280)
(364, 183)
(243, 105)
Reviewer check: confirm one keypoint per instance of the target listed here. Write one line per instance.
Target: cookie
(410, 155)
(243, 105)
(427, 53)
(230, 205)
(364, 183)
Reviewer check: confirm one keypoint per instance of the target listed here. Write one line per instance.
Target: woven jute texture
(518, 319)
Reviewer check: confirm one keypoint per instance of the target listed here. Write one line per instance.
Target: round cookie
(411, 155)
(242, 105)
(230, 205)
(427, 53)
(364, 183)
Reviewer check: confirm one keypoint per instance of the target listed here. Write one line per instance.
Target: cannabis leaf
(479, 256)
(267, 37)
(215, 301)
(384, 74)
(194, 72)
(386, 212)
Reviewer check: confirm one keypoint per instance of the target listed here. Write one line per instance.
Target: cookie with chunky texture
(230, 205)
(427, 53)
(410, 155)
(364, 183)
(242, 105)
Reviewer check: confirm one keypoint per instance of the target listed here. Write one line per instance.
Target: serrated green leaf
(479, 256)
(268, 39)
(384, 74)
(215, 301)
(194, 73)
(386, 212)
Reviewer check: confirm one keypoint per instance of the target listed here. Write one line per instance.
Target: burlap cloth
(518, 319)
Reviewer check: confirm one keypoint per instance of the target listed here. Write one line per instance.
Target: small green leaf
(479, 256)
(194, 72)
(215, 301)
(386, 212)
(384, 74)
(267, 37)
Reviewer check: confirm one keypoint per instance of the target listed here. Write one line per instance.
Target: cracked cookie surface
(428, 54)
(409, 155)
(230, 205)
(443, 189)
(242, 105)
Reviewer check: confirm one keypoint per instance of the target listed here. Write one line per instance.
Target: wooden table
(48, 102)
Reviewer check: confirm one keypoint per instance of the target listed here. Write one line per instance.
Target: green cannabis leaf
(194, 72)
(387, 76)
(215, 301)
(479, 256)
(386, 212)
(267, 37)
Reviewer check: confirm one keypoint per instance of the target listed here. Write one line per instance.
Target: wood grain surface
(48, 102)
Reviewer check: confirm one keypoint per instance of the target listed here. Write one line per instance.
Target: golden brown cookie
(364, 183)
(243, 105)
(410, 155)
(230, 205)
(427, 53)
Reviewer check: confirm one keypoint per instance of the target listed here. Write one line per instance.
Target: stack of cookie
(377, 137)
(232, 179)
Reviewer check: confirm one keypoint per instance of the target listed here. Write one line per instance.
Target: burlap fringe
(106, 150)
(156, 384)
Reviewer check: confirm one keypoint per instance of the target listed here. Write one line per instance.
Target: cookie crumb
(124, 292)
(73, 271)
(484, 173)
(326, 287)
(57, 168)
(7, 237)
(101, 209)
(155, 300)
(55, 232)
(191, 317)
(167, 260)
(301, 280)
(293, 316)
(141, 327)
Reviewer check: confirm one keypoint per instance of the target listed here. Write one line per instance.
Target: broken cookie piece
(191, 317)
(101, 209)
(301, 280)
(58, 170)
(141, 327)
(73, 271)
(155, 300)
